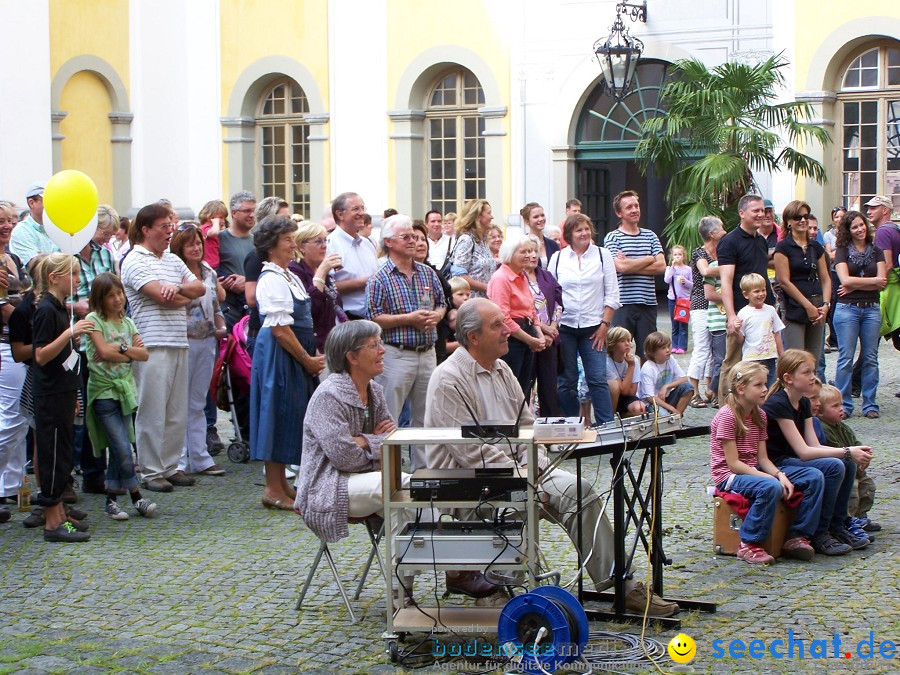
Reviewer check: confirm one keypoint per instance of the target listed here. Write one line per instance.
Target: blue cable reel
(543, 630)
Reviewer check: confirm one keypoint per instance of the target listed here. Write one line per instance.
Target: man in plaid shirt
(405, 298)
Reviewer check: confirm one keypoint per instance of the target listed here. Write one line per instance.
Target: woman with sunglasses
(801, 269)
(862, 272)
(205, 327)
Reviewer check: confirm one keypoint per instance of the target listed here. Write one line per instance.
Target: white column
(175, 97)
(25, 125)
(201, 102)
(359, 106)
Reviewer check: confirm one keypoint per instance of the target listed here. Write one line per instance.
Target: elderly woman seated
(346, 421)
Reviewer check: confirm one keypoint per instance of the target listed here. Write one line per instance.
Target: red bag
(682, 311)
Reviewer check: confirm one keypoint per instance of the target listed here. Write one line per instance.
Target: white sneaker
(145, 507)
(114, 511)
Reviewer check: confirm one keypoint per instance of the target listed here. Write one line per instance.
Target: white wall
(175, 98)
(201, 102)
(25, 143)
(358, 100)
(558, 69)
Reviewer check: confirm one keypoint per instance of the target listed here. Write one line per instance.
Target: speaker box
(726, 524)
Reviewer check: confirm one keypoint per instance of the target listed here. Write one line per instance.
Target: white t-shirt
(589, 285)
(275, 293)
(758, 328)
(159, 326)
(655, 376)
(437, 251)
(359, 260)
(616, 371)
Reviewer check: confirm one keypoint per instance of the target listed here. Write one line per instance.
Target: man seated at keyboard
(475, 375)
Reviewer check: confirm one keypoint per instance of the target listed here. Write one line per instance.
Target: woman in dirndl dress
(285, 365)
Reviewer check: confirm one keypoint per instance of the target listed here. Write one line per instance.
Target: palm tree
(721, 126)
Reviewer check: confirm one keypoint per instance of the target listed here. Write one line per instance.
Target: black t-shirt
(20, 322)
(50, 320)
(748, 253)
(778, 406)
(870, 270)
(804, 271)
(252, 269)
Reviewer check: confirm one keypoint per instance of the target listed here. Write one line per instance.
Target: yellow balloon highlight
(71, 199)
(682, 648)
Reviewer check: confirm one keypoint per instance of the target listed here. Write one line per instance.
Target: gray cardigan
(335, 414)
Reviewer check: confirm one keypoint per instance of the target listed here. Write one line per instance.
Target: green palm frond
(722, 125)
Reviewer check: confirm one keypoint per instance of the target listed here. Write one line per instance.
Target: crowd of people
(350, 337)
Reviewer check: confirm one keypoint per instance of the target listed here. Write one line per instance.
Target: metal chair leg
(337, 579)
(309, 577)
(374, 539)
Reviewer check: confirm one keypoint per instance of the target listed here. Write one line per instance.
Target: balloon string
(72, 291)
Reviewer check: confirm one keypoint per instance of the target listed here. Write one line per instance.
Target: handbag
(682, 312)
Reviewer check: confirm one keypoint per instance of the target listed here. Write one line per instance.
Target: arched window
(284, 145)
(454, 128)
(869, 104)
(607, 121)
(606, 136)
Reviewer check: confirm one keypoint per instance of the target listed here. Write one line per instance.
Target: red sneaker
(754, 554)
(799, 548)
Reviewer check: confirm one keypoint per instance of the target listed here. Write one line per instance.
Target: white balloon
(70, 243)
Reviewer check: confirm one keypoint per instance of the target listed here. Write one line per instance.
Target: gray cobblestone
(210, 584)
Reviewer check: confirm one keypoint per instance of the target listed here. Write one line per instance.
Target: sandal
(697, 402)
(714, 402)
(270, 503)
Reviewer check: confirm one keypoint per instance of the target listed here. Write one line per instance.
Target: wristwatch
(846, 453)
(604, 322)
(123, 348)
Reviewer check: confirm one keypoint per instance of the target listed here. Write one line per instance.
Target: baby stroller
(230, 388)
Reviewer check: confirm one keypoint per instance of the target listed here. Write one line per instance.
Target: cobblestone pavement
(209, 585)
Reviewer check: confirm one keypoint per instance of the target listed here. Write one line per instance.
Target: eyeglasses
(404, 237)
(243, 211)
(802, 216)
(378, 344)
(317, 242)
(184, 227)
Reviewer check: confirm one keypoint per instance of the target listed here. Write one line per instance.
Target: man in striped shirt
(404, 297)
(159, 286)
(638, 257)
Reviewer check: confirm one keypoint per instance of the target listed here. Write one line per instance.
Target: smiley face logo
(682, 648)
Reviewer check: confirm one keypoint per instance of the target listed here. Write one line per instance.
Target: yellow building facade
(847, 64)
(414, 104)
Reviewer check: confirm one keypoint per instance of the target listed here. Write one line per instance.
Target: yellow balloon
(71, 199)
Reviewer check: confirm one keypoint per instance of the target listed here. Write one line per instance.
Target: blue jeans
(811, 483)
(575, 342)
(120, 467)
(838, 477)
(717, 348)
(862, 323)
(679, 330)
(764, 495)
(772, 367)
